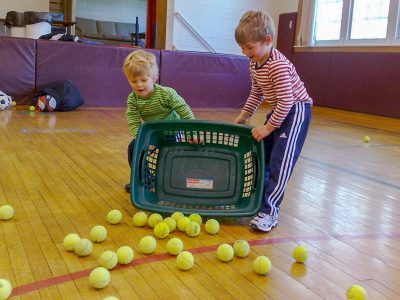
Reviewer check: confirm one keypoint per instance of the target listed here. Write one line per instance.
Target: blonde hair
(140, 63)
(254, 26)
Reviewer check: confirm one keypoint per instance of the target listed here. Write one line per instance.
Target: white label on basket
(199, 183)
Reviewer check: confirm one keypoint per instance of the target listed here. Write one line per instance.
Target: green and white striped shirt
(164, 104)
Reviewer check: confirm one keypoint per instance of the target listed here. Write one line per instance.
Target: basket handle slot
(256, 171)
(140, 170)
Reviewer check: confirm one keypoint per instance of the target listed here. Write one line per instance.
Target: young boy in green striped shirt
(148, 100)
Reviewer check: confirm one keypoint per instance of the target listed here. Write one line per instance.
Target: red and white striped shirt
(276, 82)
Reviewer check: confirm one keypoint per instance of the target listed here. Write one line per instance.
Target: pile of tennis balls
(163, 227)
(84, 246)
(192, 225)
(241, 248)
(262, 264)
(100, 276)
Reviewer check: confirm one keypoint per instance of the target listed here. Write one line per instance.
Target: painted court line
(350, 172)
(24, 289)
(54, 130)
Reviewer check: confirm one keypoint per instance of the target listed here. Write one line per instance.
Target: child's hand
(243, 118)
(195, 140)
(261, 132)
(240, 120)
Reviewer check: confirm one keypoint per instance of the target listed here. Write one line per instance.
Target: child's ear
(268, 39)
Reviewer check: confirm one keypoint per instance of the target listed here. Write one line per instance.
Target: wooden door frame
(160, 17)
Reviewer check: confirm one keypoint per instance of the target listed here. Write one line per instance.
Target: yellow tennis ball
(154, 219)
(147, 244)
(6, 212)
(356, 292)
(83, 247)
(177, 215)
(193, 229)
(31, 108)
(125, 255)
(183, 223)
(196, 218)
(140, 219)
(185, 260)
(99, 277)
(241, 248)
(13, 103)
(366, 139)
(174, 246)
(225, 252)
(262, 265)
(5, 289)
(171, 223)
(70, 241)
(114, 216)
(108, 259)
(98, 233)
(161, 230)
(111, 298)
(212, 226)
(300, 254)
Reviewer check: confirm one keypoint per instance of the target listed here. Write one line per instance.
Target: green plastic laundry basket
(221, 177)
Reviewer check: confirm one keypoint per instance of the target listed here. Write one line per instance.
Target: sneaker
(128, 187)
(263, 222)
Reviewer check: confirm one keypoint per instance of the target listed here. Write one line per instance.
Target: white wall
(216, 20)
(23, 5)
(279, 7)
(115, 10)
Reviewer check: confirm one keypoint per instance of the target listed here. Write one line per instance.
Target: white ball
(5, 101)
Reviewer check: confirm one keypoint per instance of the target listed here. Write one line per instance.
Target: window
(350, 22)
(370, 19)
(328, 19)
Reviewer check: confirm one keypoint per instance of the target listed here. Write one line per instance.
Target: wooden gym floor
(62, 172)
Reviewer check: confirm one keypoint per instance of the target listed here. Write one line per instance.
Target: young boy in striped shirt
(275, 80)
(148, 100)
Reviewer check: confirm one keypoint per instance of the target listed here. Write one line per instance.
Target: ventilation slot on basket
(207, 137)
(248, 174)
(150, 167)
